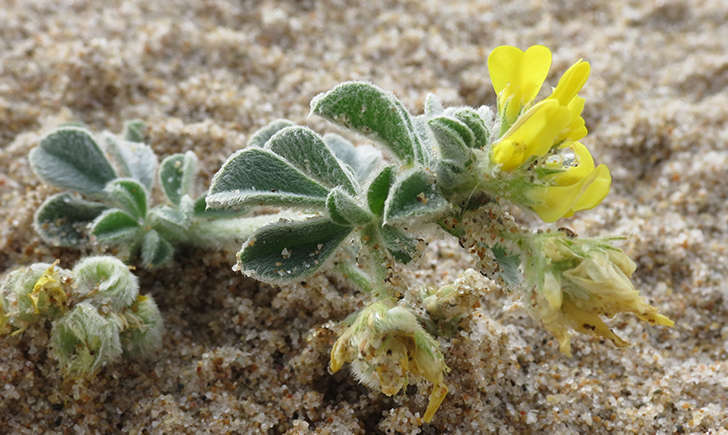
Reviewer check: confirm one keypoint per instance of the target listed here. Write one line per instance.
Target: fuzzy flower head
(385, 345)
(579, 280)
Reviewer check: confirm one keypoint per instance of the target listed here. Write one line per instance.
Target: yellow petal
(584, 165)
(577, 128)
(534, 68)
(571, 82)
(517, 76)
(595, 191)
(532, 135)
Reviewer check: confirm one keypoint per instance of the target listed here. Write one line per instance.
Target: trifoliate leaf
(286, 251)
(70, 158)
(256, 176)
(63, 218)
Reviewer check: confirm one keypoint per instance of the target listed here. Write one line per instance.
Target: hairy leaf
(132, 159)
(454, 139)
(305, 150)
(363, 160)
(62, 219)
(177, 174)
(260, 137)
(256, 176)
(475, 123)
(286, 251)
(70, 158)
(433, 105)
(379, 189)
(345, 210)
(135, 130)
(128, 195)
(155, 250)
(372, 112)
(171, 223)
(402, 247)
(115, 226)
(413, 196)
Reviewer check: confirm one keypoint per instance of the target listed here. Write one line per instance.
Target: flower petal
(571, 82)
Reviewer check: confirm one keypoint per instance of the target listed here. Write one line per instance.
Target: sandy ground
(243, 357)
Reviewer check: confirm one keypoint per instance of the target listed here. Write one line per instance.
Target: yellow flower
(517, 76)
(597, 285)
(580, 187)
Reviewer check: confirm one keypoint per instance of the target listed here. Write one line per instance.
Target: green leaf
(135, 130)
(260, 137)
(454, 139)
(128, 195)
(509, 265)
(286, 251)
(177, 174)
(379, 189)
(132, 159)
(63, 218)
(363, 160)
(475, 123)
(171, 223)
(305, 150)
(433, 105)
(115, 226)
(200, 210)
(70, 158)
(345, 210)
(373, 112)
(413, 196)
(255, 176)
(402, 247)
(155, 250)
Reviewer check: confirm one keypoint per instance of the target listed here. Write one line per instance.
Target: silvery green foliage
(349, 189)
(95, 309)
(110, 179)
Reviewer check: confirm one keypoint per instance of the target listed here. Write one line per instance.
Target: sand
(243, 357)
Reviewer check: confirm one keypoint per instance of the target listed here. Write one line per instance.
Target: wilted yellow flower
(517, 76)
(384, 345)
(597, 285)
(580, 186)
